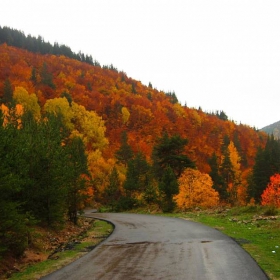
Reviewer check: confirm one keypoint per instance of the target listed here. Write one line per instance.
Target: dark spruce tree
(169, 152)
(137, 176)
(169, 162)
(77, 176)
(168, 187)
(46, 76)
(44, 194)
(17, 38)
(267, 163)
(125, 153)
(112, 191)
(7, 97)
(218, 182)
(14, 221)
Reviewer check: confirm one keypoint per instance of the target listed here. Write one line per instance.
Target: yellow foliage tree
(28, 101)
(85, 124)
(61, 106)
(125, 115)
(90, 127)
(195, 190)
(179, 110)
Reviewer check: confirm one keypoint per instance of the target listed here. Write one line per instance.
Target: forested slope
(126, 104)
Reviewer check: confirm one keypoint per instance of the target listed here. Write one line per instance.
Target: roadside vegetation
(64, 253)
(255, 228)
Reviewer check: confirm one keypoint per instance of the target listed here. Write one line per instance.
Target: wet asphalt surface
(154, 247)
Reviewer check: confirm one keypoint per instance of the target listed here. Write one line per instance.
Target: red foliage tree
(271, 195)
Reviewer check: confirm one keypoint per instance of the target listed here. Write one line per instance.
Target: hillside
(273, 129)
(108, 92)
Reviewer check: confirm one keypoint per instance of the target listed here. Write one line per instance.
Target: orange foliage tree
(271, 195)
(195, 190)
(236, 173)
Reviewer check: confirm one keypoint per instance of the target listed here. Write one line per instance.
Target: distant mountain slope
(273, 129)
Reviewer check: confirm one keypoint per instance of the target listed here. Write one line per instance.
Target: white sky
(219, 55)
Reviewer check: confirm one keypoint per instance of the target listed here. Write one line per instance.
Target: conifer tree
(136, 175)
(46, 159)
(125, 153)
(46, 76)
(112, 191)
(216, 177)
(168, 187)
(77, 177)
(7, 98)
(13, 221)
(267, 163)
(169, 152)
(33, 76)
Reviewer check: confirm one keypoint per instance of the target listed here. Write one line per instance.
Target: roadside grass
(255, 228)
(84, 243)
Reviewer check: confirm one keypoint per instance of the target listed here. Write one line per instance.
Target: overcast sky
(219, 55)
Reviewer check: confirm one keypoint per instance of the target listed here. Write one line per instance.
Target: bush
(270, 211)
(126, 203)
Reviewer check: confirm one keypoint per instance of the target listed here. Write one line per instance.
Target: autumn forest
(75, 134)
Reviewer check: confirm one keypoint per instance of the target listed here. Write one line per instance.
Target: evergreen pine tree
(46, 76)
(216, 177)
(112, 191)
(125, 153)
(77, 177)
(169, 152)
(168, 187)
(33, 77)
(267, 163)
(137, 170)
(13, 221)
(7, 98)
(44, 194)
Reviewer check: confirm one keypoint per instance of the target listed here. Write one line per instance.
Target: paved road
(154, 247)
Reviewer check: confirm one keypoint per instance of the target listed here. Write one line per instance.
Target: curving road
(154, 247)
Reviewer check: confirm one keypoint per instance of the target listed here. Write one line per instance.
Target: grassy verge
(73, 250)
(254, 228)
